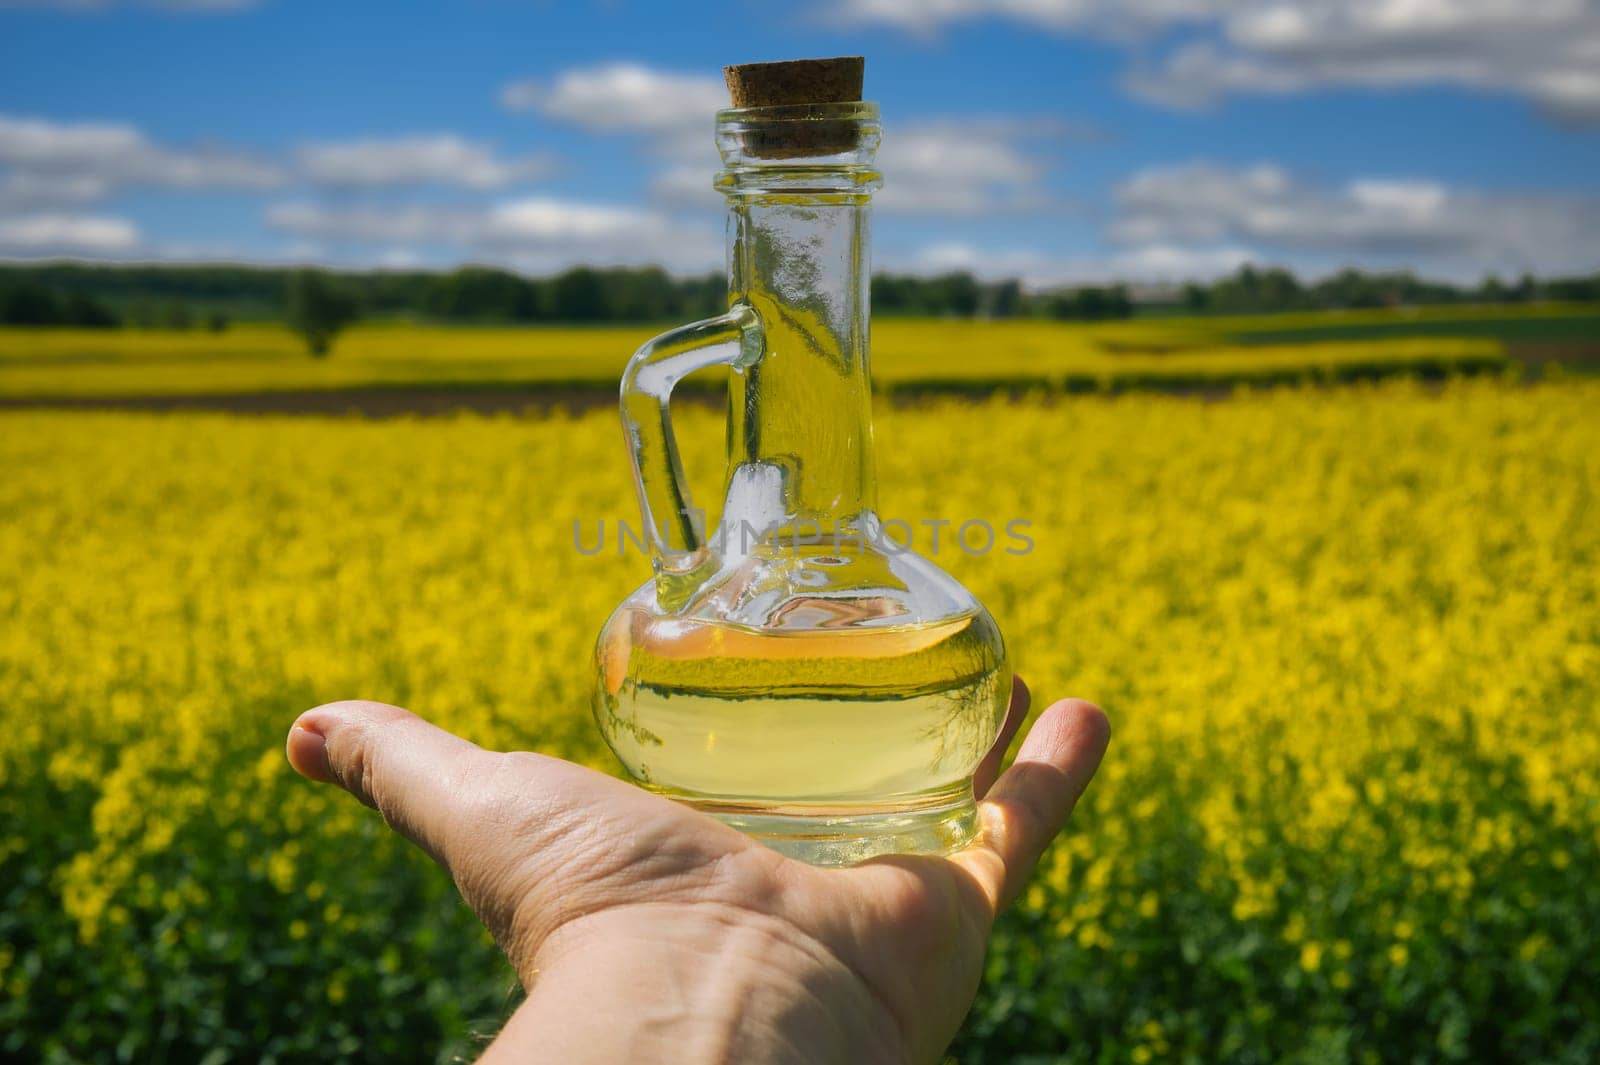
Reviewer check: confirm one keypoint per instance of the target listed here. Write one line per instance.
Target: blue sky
(1056, 140)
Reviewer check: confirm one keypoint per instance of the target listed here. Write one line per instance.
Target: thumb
(421, 778)
(1030, 802)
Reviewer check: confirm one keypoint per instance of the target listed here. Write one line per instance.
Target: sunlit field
(928, 355)
(1349, 639)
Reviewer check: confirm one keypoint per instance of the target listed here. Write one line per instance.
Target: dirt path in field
(1536, 357)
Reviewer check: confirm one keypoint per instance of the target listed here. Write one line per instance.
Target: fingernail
(308, 754)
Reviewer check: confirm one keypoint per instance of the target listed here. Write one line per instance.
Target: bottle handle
(679, 552)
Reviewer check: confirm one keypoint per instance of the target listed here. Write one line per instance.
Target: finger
(1031, 801)
(418, 776)
(1016, 712)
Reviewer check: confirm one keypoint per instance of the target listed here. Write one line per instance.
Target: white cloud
(1204, 220)
(946, 167)
(954, 168)
(561, 221)
(626, 98)
(531, 233)
(88, 160)
(1033, 267)
(1119, 17)
(1547, 51)
(24, 190)
(965, 167)
(413, 223)
(46, 234)
(685, 184)
(45, 163)
(1042, 270)
(1418, 223)
(431, 159)
(1174, 262)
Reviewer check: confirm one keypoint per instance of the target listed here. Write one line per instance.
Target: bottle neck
(804, 408)
(798, 183)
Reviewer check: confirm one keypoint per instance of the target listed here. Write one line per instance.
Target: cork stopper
(798, 83)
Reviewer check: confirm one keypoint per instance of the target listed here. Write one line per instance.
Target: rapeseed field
(1349, 640)
(957, 355)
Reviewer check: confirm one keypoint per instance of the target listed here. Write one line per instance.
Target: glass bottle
(794, 672)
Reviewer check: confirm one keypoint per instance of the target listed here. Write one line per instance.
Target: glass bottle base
(839, 836)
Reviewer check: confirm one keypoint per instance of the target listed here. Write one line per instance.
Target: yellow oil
(824, 725)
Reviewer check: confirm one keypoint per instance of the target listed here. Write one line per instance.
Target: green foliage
(1089, 303)
(648, 294)
(1349, 639)
(1359, 959)
(1253, 289)
(26, 302)
(954, 294)
(909, 356)
(318, 307)
(174, 314)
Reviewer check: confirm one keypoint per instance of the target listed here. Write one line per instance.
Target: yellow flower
(1376, 644)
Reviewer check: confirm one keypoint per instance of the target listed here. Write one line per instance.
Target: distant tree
(1278, 290)
(1005, 299)
(1351, 288)
(1090, 303)
(217, 322)
(704, 296)
(81, 311)
(318, 307)
(1493, 290)
(175, 315)
(892, 295)
(24, 302)
(957, 294)
(480, 293)
(85, 295)
(1573, 288)
(578, 295)
(1118, 303)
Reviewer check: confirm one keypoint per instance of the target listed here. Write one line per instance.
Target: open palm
(638, 923)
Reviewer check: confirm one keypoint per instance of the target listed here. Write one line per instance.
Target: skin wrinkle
(665, 1011)
(547, 902)
(858, 957)
(907, 900)
(731, 919)
(734, 1000)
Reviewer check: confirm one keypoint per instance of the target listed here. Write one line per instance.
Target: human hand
(646, 931)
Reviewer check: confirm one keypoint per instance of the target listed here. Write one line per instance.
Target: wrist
(698, 982)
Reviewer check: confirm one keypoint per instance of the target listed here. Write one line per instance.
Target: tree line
(210, 296)
(1254, 290)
